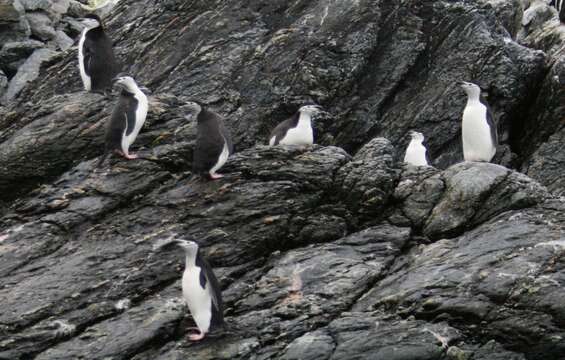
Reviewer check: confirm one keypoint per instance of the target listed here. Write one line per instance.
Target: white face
(416, 136)
(90, 23)
(471, 89)
(192, 110)
(127, 82)
(310, 109)
(190, 247)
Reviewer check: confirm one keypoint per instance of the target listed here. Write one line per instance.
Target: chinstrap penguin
(416, 152)
(296, 130)
(200, 288)
(96, 59)
(127, 119)
(478, 128)
(213, 141)
(560, 6)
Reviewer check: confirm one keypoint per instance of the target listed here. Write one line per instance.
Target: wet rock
(488, 262)
(331, 251)
(368, 181)
(546, 164)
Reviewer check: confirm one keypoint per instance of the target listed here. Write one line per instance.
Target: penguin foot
(196, 337)
(131, 156)
(216, 176)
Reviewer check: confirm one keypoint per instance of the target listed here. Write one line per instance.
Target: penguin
(213, 141)
(296, 130)
(559, 5)
(96, 59)
(416, 152)
(478, 128)
(127, 119)
(201, 290)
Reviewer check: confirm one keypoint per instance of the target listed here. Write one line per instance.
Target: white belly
(140, 116)
(198, 300)
(416, 154)
(477, 141)
(222, 159)
(85, 78)
(301, 135)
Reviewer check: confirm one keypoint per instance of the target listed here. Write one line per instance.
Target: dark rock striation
(333, 251)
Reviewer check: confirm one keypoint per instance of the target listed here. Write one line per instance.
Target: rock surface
(332, 251)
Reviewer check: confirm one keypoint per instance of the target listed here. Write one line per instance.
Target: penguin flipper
(214, 288)
(281, 129)
(88, 54)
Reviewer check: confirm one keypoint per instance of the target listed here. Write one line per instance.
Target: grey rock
(10, 12)
(369, 180)
(475, 192)
(64, 42)
(320, 254)
(41, 25)
(546, 164)
(14, 54)
(33, 5)
(3, 83)
(27, 72)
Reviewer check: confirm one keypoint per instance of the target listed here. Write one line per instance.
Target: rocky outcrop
(333, 251)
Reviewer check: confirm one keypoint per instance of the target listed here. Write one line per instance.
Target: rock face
(333, 251)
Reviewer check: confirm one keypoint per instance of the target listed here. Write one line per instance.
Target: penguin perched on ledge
(127, 119)
(296, 130)
(480, 137)
(213, 141)
(96, 59)
(200, 288)
(416, 152)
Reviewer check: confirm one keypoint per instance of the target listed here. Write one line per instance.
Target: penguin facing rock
(96, 59)
(478, 128)
(127, 119)
(416, 152)
(213, 141)
(296, 130)
(200, 288)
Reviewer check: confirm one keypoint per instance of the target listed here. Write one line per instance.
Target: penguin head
(472, 90)
(191, 109)
(189, 247)
(91, 21)
(310, 109)
(416, 136)
(125, 82)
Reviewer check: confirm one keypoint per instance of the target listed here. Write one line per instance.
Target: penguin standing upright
(478, 128)
(127, 119)
(296, 130)
(96, 60)
(200, 290)
(213, 141)
(416, 152)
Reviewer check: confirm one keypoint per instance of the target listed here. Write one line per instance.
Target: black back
(491, 123)
(122, 121)
(281, 129)
(207, 277)
(211, 132)
(99, 59)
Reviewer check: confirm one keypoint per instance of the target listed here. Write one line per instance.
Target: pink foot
(131, 156)
(216, 176)
(196, 337)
